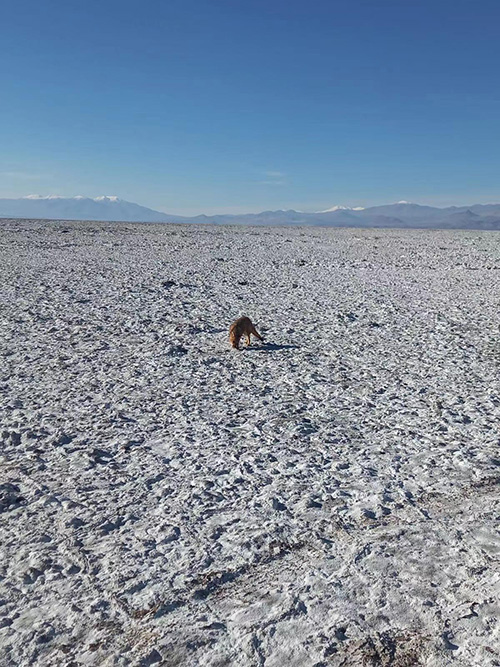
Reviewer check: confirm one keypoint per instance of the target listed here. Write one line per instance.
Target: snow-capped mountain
(399, 215)
(342, 208)
(77, 197)
(105, 207)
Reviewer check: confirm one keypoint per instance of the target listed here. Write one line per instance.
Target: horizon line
(113, 199)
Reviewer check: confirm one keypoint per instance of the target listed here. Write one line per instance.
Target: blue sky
(191, 106)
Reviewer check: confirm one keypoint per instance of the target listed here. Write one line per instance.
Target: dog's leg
(248, 339)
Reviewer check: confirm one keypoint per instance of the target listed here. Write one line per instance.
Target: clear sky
(191, 106)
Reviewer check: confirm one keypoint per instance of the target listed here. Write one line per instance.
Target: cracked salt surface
(329, 498)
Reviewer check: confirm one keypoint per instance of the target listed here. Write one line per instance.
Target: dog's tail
(256, 333)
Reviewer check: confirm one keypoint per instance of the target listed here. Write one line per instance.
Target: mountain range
(53, 207)
(399, 215)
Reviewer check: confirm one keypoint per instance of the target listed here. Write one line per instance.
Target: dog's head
(234, 338)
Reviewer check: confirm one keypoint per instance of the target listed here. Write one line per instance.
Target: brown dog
(242, 327)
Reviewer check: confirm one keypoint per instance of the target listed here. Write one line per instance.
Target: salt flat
(329, 498)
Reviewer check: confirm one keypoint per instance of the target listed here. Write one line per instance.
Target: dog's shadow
(270, 347)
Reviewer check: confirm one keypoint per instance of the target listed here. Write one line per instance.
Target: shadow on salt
(270, 347)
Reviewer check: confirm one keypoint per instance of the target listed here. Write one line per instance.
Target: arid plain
(327, 498)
